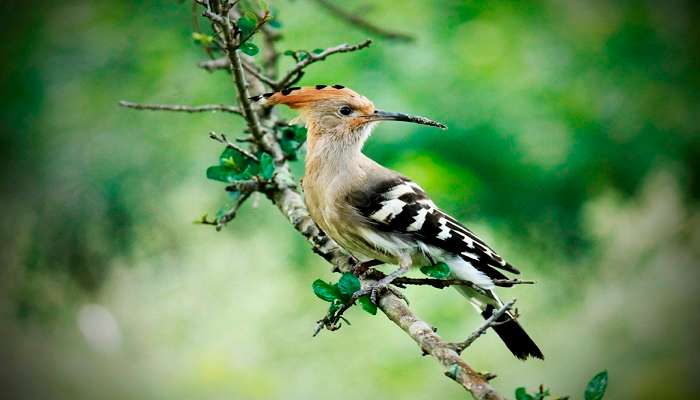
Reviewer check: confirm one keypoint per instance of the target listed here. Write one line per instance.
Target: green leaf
(521, 394)
(221, 173)
(542, 395)
(246, 26)
(299, 132)
(249, 48)
(325, 291)
(317, 51)
(289, 53)
(348, 284)
(438, 271)
(596, 387)
(267, 166)
(303, 55)
(289, 147)
(201, 38)
(367, 305)
(250, 171)
(274, 23)
(233, 158)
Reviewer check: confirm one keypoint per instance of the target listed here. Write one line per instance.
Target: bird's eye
(345, 110)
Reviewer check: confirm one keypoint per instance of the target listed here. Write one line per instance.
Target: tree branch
(491, 321)
(359, 22)
(431, 343)
(181, 107)
(312, 58)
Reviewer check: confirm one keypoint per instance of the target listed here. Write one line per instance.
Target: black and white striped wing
(402, 207)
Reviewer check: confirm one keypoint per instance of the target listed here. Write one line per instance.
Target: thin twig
(221, 138)
(491, 321)
(181, 107)
(213, 65)
(259, 75)
(239, 82)
(231, 213)
(312, 58)
(359, 22)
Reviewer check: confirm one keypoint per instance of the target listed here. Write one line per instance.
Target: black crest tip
(319, 87)
(290, 90)
(336, 86)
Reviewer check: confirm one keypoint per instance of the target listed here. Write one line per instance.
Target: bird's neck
(331, 153)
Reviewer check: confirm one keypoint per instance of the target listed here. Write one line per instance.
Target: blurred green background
(573, 147)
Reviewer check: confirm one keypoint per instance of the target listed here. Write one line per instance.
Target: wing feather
(402, 207)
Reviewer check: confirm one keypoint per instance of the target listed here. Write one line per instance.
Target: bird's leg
(362, 268)
(374, 288)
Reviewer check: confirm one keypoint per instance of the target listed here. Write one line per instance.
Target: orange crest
(302, 97)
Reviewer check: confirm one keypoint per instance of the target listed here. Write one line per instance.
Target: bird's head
(336, 112)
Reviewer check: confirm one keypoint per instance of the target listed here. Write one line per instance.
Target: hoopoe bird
(378, 214)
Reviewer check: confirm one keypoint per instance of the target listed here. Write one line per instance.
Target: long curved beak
(380, 115)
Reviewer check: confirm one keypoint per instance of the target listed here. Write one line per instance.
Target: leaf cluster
(340, 293)
(235, 165)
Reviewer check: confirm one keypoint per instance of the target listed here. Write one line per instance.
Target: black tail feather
(514, 336)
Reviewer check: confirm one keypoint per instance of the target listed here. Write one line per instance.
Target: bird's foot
(375, 288)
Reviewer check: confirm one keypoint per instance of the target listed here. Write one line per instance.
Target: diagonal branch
(359, 22)
(181, 107)
(312, 58)
(491, 321)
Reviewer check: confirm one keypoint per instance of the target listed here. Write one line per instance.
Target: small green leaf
(596, 387)
(367, 305)
(201, 38)
(274, 23)
(325, 291)
(289, 147)
(221, 173)
(303, 55)
(246, 26)
(348, 284)
(250, 171)
(317, 51)
(242, 166)
(521, 394)
(299, 132)
(231, 157)
(249, 48)
(437, 271)
(267, 166)
(288, 53)
(542, 395)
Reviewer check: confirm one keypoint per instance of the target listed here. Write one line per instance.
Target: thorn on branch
(181, 107)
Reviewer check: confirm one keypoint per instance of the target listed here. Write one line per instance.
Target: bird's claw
(375, 288)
